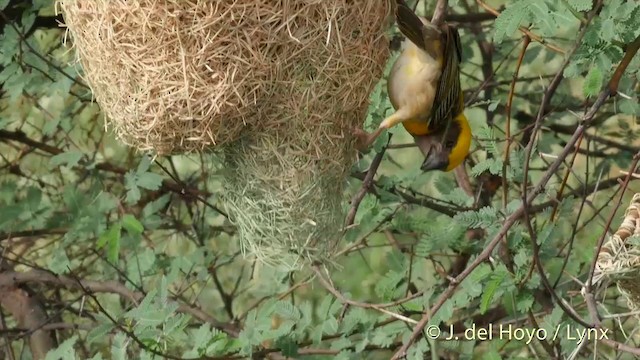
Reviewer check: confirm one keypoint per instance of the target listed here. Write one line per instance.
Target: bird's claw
(362, 139)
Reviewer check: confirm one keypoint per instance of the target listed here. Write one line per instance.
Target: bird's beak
(435, 160)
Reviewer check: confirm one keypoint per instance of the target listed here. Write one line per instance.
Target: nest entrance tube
(287, 209)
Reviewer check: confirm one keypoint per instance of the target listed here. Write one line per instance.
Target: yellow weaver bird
(424, 89)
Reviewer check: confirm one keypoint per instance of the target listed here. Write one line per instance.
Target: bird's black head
(439, 146)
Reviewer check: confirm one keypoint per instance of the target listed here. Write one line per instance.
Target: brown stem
(507, 224)
(28, 314)
(505, 188)
(11, 278)
(367, 182)
(439, 13)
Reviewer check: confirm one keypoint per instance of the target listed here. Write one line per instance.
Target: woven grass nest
(285, 180)
(275, 86)
(619, 259)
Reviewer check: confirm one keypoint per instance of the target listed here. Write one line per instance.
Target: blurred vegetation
(107, 253)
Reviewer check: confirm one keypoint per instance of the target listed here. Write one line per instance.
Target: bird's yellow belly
(416, 128)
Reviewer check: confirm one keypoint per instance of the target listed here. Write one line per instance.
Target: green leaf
(508, 22)
(141, 179)
(144, 164)
(383, 336)
(551, 321)
(630, 107)
(492, 354)
(3, 4)
(59, 263)
(493, 284)
(608, 30)
(388, 287)
(111, 238)
(288, 347)
(133, 193)
(149, 181)
(113, 234)
(396, 260)
(483, 218)
(581, 5)
(340, 343)
(493, 105)
(546, 233)
(424, 247)
(65, 351)
(119, 347)
(28, 18)
(593, 82)
(154, 206)
(131, 224)
(70, 158)
(445, 313)
(287, 310)
(99, 332)
(524, 302)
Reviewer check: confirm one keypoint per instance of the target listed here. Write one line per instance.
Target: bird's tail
(419, 32)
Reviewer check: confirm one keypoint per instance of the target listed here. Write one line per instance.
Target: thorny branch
(367, 182)
(536, 191)
(113, 287)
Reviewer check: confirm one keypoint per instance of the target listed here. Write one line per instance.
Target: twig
(548, 94)
(439, 13)
(366, 185)
(379, 307)
(524, 30)
(486, 253)
(565, 179)
(510, 221)
(42, 277)
(505, 188)
(634, 165)
(183, 191)
(469, 18)
(462, 178)
(28, 314)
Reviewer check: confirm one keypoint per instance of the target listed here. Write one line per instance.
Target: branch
(185, 192)
(634, 166)
(469, 18)
(366, 185)
(12, 278)
(29, 315)
(439, 13)
(630, 52)
(511, 220)
(379, 307)
(505, 187)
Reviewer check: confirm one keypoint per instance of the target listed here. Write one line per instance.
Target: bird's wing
(415, 30)
(448, 94)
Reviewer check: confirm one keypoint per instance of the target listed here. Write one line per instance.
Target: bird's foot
(365, 139)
